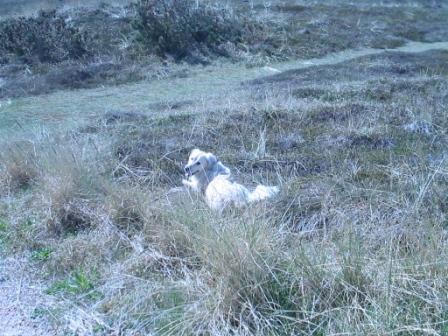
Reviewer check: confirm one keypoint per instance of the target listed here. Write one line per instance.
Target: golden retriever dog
(205, 174)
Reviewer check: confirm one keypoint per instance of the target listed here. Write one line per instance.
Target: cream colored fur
(207, 175)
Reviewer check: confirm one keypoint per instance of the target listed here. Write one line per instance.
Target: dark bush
(181, 28)
(47, 38)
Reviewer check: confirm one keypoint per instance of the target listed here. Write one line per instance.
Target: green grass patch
(41, 254)
(39, 312)
(172, 302)
(77, 283)
(4, 236)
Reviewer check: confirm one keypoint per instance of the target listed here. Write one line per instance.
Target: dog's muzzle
(188, 172)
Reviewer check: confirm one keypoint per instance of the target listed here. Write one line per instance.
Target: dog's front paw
(186, 183)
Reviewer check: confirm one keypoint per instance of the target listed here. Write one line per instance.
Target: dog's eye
(198, 163)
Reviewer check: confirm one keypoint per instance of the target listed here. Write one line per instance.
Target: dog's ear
(222, 170)
(211, 159)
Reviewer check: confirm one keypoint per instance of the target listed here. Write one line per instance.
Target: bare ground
(23, 303)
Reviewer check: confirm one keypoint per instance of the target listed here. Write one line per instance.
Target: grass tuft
(18, 167)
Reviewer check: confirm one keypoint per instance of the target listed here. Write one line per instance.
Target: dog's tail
(262, 192)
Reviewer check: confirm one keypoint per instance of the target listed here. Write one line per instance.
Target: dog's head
(199, 161)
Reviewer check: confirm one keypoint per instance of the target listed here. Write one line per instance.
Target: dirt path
(21, 114)
(22, 301)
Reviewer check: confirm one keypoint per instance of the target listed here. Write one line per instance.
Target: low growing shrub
(47, 38)
(181, 28)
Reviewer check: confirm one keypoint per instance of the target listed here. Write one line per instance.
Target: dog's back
(221, 192)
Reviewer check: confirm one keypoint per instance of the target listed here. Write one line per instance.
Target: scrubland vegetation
(356, 242)
(102, 44)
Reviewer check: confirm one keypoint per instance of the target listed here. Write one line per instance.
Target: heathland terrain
(341, 104)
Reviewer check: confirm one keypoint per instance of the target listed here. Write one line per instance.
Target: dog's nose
(187, 169)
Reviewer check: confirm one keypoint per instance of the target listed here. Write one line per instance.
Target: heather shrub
(181, 28)
(47, 38)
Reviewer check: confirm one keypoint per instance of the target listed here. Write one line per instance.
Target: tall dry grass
(355, 243)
